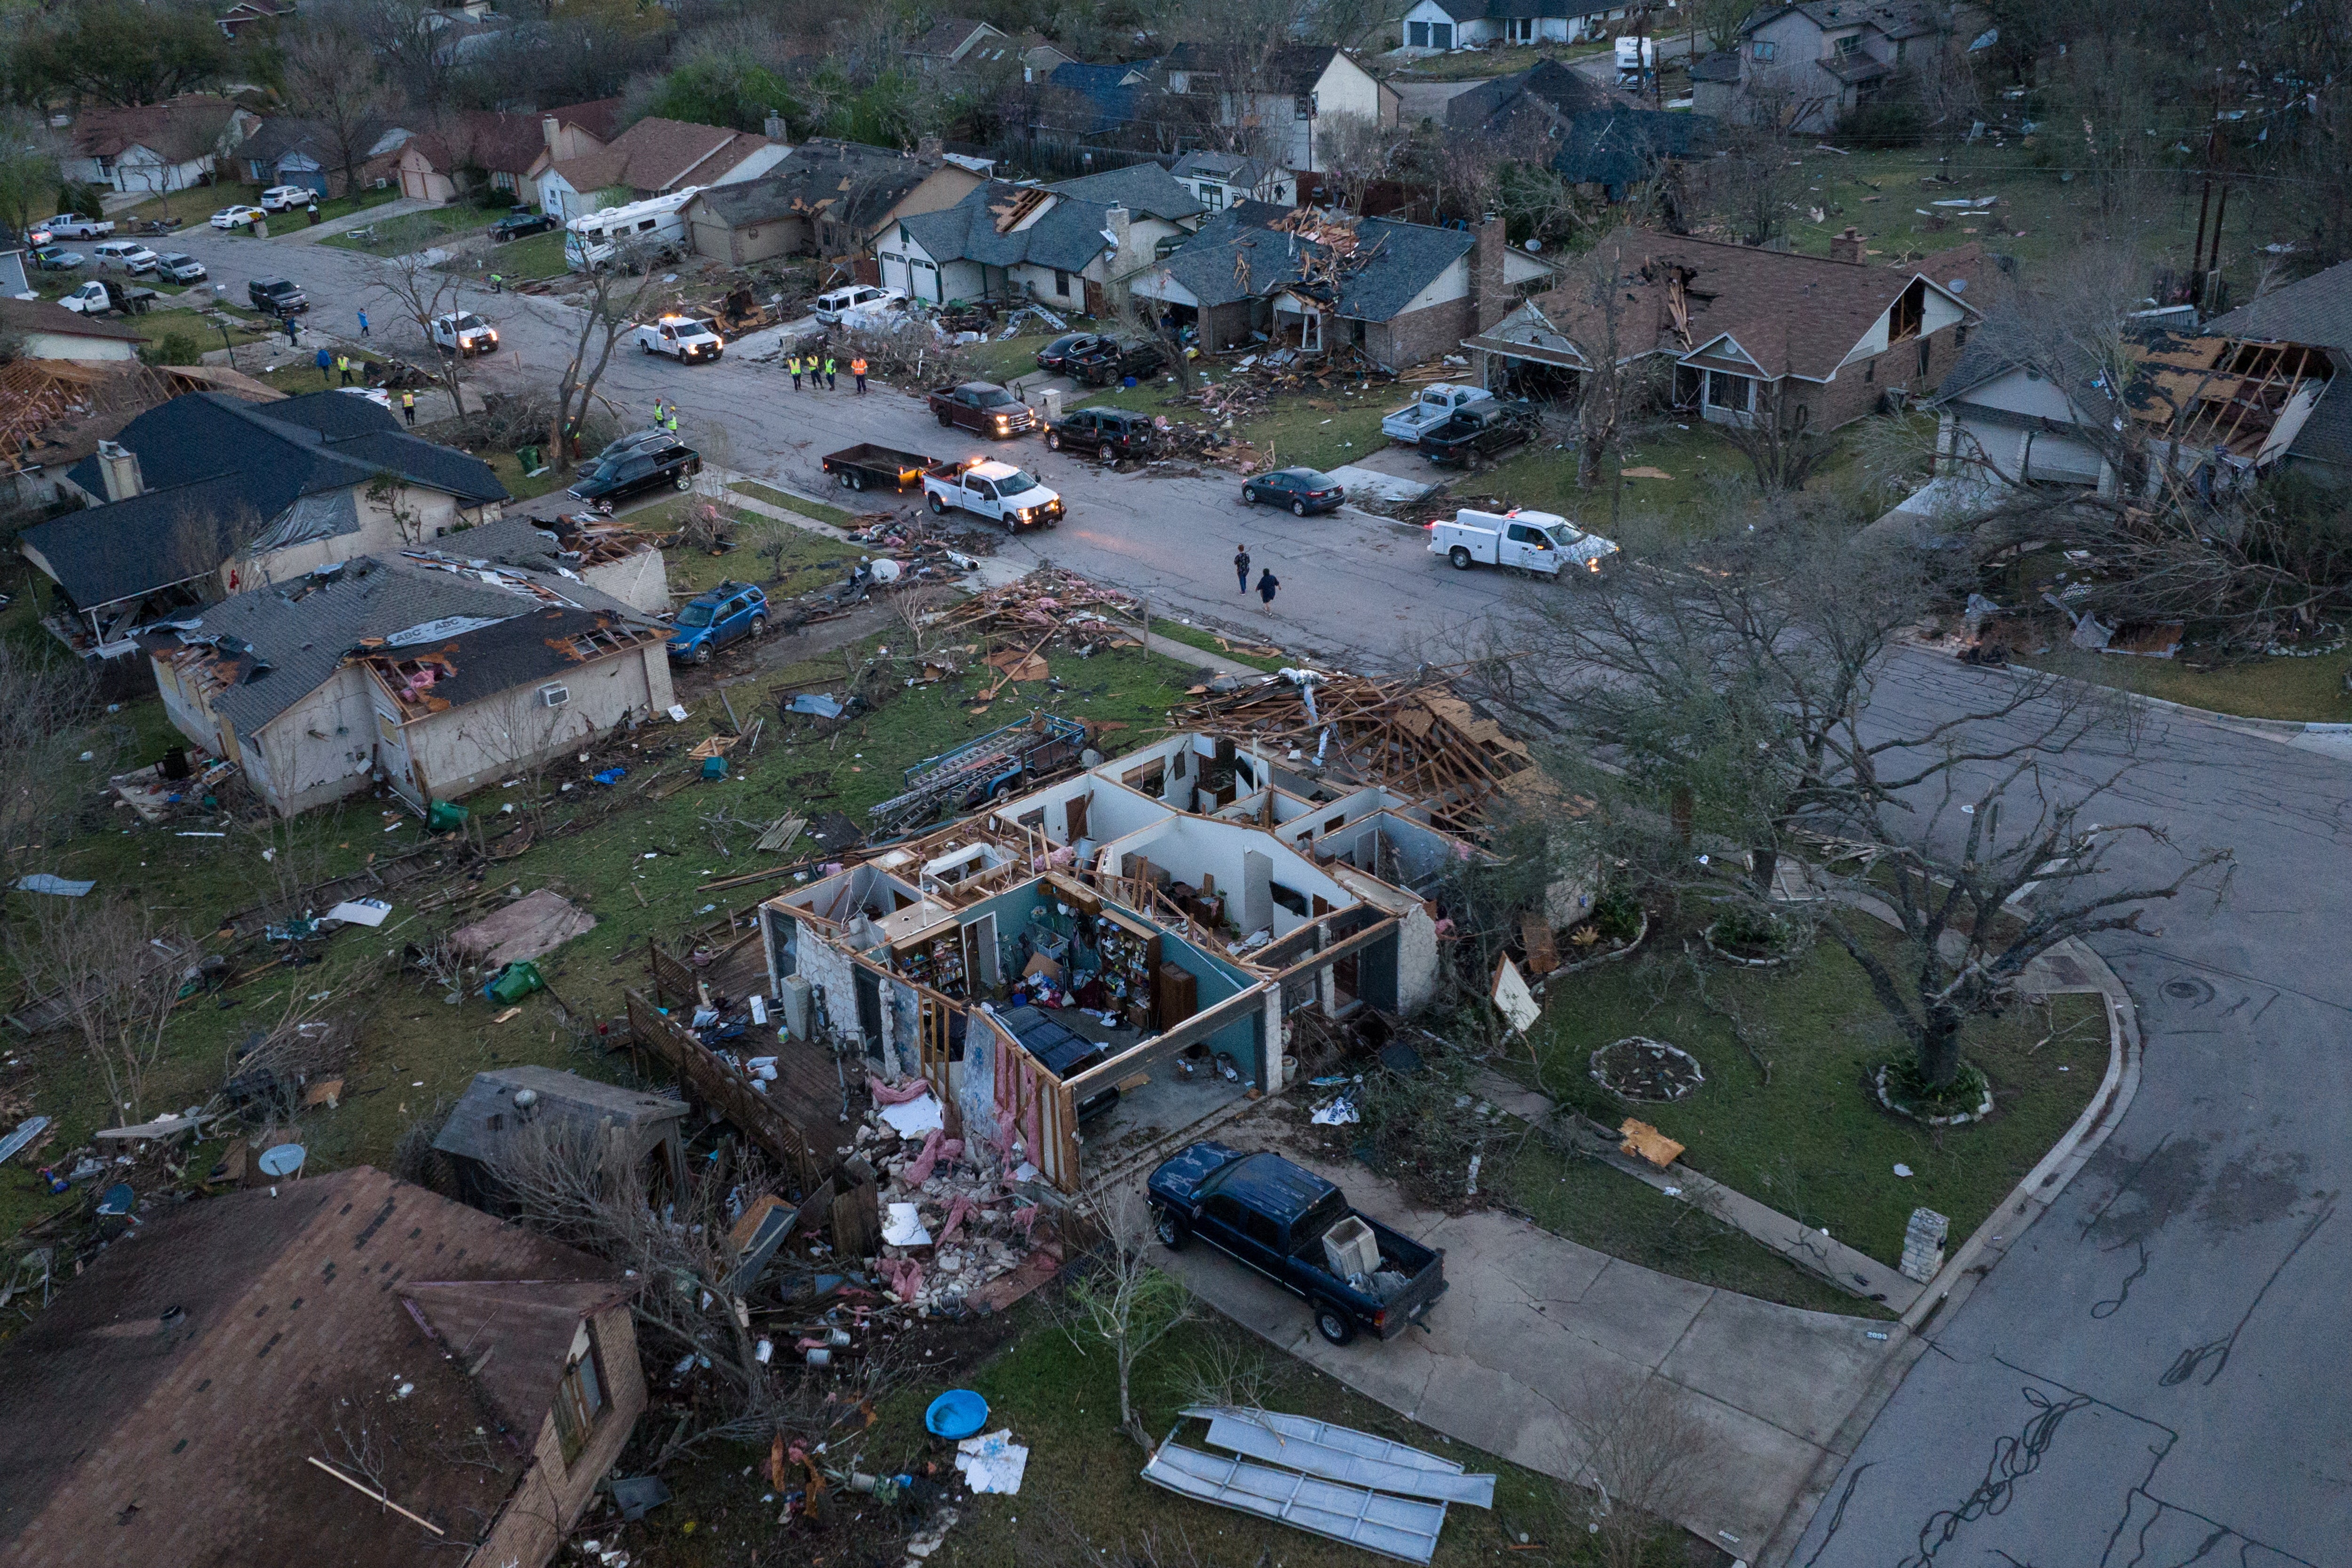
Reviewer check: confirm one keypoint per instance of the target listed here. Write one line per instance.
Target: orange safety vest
(857, 367)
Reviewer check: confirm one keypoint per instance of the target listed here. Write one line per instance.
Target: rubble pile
(1048, 605)
(917, 538)
(954, 1220)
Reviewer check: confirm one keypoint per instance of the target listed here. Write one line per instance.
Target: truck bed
(879, 466)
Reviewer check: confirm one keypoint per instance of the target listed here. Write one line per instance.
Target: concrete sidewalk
(1536, 1331)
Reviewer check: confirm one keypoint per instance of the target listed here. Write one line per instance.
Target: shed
(640, 1130)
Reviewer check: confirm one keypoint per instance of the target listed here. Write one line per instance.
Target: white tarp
(992, 1463)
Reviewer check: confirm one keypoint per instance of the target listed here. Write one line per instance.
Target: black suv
(1055, 355)
(1108, 433)
(645, 461)
(1480, 430)
(1112, 358)
(280, 297)
(514, 225)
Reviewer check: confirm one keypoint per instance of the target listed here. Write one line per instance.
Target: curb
(2280, 730)
(1956, 1281)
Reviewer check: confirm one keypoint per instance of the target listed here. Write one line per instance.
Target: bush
(1892, 119)
(1744, 931)
(1617, 915)
(177, 348)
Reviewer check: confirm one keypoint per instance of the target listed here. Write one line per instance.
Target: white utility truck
(989, 489)
(1539, 541)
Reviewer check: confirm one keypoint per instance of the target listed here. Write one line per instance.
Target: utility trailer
(1017, 756)
(871, 466)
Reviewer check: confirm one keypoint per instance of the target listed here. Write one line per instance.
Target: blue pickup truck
(1297, 1229)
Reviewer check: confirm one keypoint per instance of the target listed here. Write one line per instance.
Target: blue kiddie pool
(956, 1414)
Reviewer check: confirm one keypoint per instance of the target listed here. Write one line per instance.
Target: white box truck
(1539, 541)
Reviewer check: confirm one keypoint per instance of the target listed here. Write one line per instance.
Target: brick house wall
(1418, 335)
(550, 1494)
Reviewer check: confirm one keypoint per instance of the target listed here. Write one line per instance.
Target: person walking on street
(1241, 568)
(344, 368)
(1266, 583)
(326, 370)
(857, 369)
(363, 326)
(832, 382)
(658, 411)
(293, 332)
(408, 408)
(794, 363)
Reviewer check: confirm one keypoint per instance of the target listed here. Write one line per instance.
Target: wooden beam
(1338, 950)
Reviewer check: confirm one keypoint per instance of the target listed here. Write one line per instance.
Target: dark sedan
(1301, 490)
(515, 225)
(1056, 356)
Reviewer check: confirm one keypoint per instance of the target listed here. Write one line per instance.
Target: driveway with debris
(1538, 1333)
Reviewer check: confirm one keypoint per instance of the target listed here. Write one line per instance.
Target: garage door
(2060, 459)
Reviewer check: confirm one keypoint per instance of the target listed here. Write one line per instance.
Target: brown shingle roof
(510, 142)
(44, 316)
(657, 154)
(183, 129)
(163, 1410)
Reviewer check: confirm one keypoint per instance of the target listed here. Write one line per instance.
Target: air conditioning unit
(555, 696)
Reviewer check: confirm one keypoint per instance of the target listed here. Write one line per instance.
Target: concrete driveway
(1537, 1332)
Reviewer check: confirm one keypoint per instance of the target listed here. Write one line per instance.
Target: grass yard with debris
(417, 230)
(2308, 691)
(1318, 431)
(1812, 1141)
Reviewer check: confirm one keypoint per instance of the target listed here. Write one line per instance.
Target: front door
(393, 760)
(869, 1011)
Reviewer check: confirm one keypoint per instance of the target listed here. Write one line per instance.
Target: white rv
(650, 227)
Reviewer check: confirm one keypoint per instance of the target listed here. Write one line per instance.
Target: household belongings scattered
(531, 927)
(1340, 1483)
(953, 1222)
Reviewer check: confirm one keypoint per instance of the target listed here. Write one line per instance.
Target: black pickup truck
(1297, 1229)
(983, 408)
(1480, 430)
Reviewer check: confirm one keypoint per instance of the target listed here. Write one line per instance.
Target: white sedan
(282, 198)
(237, 217)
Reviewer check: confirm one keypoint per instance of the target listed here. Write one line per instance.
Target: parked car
(687, 339)
(127, 254)
(1296, 1228)
(464, 333)
(1434, 407)
(279, 297)
(1055, 355)
(983, 408)
(1481, 430)
(708, 622)
(515, 225)
(859, 300)
(992, 489)
(286, 198)
(634, 464)
(1112, 359)
(101, 296)
(1301, 490)
(56, 258)
(73, 226)
(1539, 541)
(880, 468)
(237, 217)
(1108, 432)
(179, 266)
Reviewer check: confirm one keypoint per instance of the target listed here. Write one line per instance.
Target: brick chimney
(117, 470)
(1490, 297)
(1118, 221)
(1846, 247)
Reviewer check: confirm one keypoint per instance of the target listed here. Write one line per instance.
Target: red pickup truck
(983, 408)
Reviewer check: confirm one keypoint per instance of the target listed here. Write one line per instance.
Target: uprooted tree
(1765, 762)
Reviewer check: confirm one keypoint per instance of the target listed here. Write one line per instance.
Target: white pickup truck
(72, 226)
(1539, 541)
(100, 296)
(1434, 407)
(989, 489)
(464, 333)
(687, 338)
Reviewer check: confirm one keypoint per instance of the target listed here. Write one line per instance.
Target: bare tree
(332, 80)
(1123, 1302)
(1651, 1461)
(1356, 149)
(47, 701)
(117, 973)
(1777, 435)
(610, 311)
(421, 293)
(1618, 376)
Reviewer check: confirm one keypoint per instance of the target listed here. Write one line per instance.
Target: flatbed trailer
(868, 466)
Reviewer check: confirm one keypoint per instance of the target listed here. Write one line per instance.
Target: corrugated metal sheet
(1343, 1454)
(1402, 1527)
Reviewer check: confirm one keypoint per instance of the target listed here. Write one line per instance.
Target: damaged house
(211, 495)
(1311, 280)
(252, 1377)
(827, 198)
(1823, 340)
(1097, 967)
(425, 671)
(1066, 246)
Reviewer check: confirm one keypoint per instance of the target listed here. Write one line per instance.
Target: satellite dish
(281, 1161)
(525, 1099)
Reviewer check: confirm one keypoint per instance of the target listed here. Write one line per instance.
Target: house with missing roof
(1804, 63)
(2314, 310)
(167, 146)
(246, 1376)
(41, 329)
(826, 198)
(1441, 25)
(1184, 903)
(209, 495)
(1294, 87)
(1744, 331)
(420, 670)
(652, 158)
(1070, 246)
(1308, 280)
(639, 1138)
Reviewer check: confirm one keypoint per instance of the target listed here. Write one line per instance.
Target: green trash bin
(445, 816)
(528, 457)
(714, 767)
(514, 982)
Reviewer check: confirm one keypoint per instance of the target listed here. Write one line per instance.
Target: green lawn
(1812, 1143)
(1000, 361)
(2306, 690)
(1208, 641)
(790, 502)
(533, 256)
(197, 327)
(1318, 430)
(1476, 64)
(510, 470)
(297, 370)
(416, 230)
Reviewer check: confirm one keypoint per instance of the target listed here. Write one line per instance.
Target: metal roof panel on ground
(1402, 1527)
(1343, 1454)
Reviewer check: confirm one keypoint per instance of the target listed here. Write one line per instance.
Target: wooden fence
(707, 1078)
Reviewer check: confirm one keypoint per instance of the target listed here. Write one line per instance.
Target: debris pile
(1410, 734)
(917, 538)
(1050, 605)
(954, 1221)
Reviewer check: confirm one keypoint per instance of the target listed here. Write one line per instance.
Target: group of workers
(820, 370)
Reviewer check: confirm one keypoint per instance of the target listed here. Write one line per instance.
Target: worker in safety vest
(408, 406)
(857, 369)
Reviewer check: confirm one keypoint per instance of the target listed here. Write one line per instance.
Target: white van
(1538, 541)
(641, 229)
(127, 254)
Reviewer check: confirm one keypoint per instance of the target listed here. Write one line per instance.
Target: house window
(1728, 392)
(1417, 34)
(580, 1398)
(1849, 46)
(1764, 49)
(1303, 106)
(1213, 195)
(1061, 283)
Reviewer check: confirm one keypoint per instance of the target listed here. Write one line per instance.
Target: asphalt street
(2153, 1374)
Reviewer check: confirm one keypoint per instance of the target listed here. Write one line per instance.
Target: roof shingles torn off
(163, 1410)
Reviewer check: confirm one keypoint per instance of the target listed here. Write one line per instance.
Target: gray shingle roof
(565, 1099)
(1147, 190)
(1620, 147)
(1398, 260)
(863, 182)
(1068, 237)
(1232, 168)
(2317, 310)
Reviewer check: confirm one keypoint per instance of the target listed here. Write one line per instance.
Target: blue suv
(727, 614)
